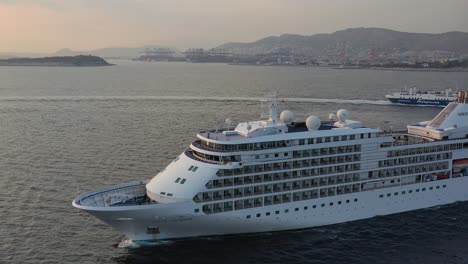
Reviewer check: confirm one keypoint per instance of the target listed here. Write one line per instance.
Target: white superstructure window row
(414, 159)
(422, 150)
(207, 145)
(346, 161)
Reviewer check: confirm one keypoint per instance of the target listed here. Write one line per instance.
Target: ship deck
(128, 194)
(402, 138)
(231, 135)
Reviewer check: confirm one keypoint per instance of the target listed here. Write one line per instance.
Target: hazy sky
(49, 25)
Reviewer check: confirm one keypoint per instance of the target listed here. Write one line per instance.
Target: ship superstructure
(412, 96)
(277, 174)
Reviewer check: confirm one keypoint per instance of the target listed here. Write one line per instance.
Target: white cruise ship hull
(273, 175)
(172, 221)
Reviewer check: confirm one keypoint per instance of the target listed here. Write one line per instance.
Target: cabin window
(183, 181)
(388, 194)
(323, 205)
(286, 210)
(162, 193)
(305, 207)
(443, 186)
(276, 155)
(196, 210)
(276, 212)
(437, 187)
(195, 169)
(248, 216)
(297, 209)
(177, 180)
(169, 194)
(267, 213)
(381, 196)
(258, 215)
(314, 206)
(355, 199)
(190, 168)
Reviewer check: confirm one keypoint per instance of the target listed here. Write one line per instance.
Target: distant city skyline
(49, 25)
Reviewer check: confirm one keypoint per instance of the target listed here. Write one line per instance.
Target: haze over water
(69, 130)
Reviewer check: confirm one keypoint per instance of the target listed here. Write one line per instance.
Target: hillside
(355, 40)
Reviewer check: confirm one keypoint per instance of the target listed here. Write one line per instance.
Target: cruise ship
(412, 96)
(277, 174)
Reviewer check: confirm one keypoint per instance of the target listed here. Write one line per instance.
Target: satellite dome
(287, 117)
(342, 115)
(249, 126)
(313, 122)
(332, 116)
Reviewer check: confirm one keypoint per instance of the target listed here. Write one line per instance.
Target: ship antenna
(274, 107)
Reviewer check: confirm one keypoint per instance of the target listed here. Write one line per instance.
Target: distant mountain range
(355, 39)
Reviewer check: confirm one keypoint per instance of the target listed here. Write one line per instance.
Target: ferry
(279, 174)
(412, 96)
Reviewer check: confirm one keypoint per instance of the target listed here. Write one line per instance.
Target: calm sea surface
(64, 131)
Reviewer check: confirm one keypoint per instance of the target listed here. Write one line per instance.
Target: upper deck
(233, 135)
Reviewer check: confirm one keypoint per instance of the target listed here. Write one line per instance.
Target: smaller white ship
(412, 96)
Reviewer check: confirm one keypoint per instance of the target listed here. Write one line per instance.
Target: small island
(62, 61)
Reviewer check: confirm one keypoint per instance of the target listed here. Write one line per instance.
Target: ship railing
(132, 193)
(192, 155)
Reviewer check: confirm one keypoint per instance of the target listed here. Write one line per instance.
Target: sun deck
(232, 135)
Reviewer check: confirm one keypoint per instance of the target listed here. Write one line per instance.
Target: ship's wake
(130, 244)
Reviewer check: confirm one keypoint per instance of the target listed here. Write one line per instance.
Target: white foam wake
(191, 98)
(137, 244)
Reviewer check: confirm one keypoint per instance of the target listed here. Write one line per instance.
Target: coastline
(358, 67)
(63, 61)
(52, 65)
